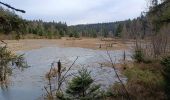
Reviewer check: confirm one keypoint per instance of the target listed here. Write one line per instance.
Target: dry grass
(90, 43)
(52, 73)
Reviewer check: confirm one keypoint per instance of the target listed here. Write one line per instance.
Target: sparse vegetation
(8, 61)
(138, 56)
(80, 87)
(148, 77)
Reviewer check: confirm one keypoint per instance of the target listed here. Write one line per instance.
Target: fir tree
(81, 87)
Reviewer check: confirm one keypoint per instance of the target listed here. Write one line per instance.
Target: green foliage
(145, 84)
(81, 87)
(10, 22)
(94, 30)
(9, 60)
(146, 77)
(73, 33)
(95, 35)
(70, 35)
(119, 30)
(47, 29)
(166, 63)
(76, 35)
(159, 14)
(165, 16)
(138, 56)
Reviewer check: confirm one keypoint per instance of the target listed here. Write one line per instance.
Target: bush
(145, 84)
(76, 35)
(138, 56)
(146, 77)
(166, 63)
(7, 60)
(116, 92)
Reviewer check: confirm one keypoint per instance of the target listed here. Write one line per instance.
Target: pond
(29, 84)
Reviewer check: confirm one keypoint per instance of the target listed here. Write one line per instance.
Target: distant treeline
(48, 29)
(112, 29)
(149, 23)
(154, 21)
(12, 24)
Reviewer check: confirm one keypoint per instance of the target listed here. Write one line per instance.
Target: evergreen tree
(81, 87)
(119, 30)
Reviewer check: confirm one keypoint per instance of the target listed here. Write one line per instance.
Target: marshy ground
(90, 43)
(40, 53)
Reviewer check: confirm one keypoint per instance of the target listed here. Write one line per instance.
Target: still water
(29, 84)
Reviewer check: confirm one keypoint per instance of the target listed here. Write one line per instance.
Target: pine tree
(119, 30)
(81, 87)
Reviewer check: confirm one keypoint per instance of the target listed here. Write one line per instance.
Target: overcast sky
(79, 11)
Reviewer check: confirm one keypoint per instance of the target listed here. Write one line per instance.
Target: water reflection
(5, 91)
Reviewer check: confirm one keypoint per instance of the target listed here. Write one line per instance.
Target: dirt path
(28, 44)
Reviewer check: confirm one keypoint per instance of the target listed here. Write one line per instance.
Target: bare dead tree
(159, 43)
(124, 34)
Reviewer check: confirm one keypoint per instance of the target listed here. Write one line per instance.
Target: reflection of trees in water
(4, 87)
(5, 91)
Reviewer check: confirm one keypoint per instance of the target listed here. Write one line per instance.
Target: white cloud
(79, 11)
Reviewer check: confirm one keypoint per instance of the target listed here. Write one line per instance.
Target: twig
(72, 74)
(46, 90)
(118, 75)
(4, 42)
(64, 76)
(49, 79)
(69, 68)
(19, 10)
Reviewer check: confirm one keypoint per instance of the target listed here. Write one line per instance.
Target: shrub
(166, 63)
(144, 84)
(116, 92)
(7, 61)
(146, 77)
(138, 56)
